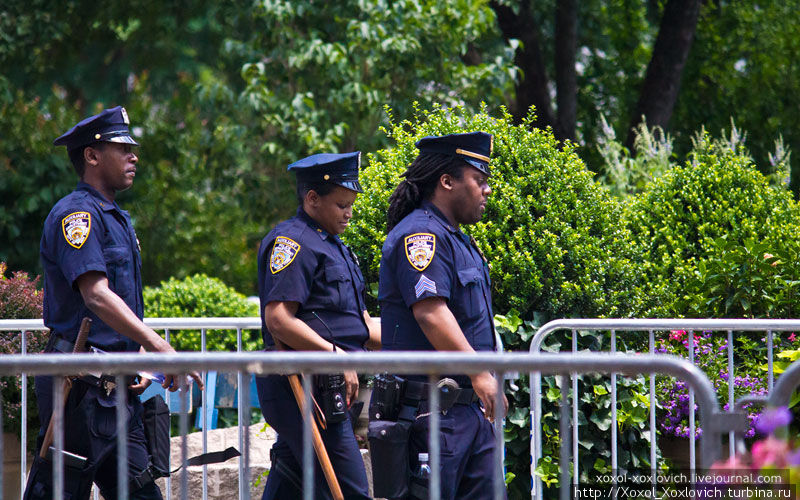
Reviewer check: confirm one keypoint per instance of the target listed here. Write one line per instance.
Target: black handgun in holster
(330, 393)
(386, 396)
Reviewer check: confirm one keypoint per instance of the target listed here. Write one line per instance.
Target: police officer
(435, 294)
(312, 299)
(91, 260)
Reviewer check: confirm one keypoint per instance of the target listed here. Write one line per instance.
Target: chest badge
(76, 227)
(283, 253)
(420, 249)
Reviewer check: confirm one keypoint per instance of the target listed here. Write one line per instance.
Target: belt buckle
(448, 394)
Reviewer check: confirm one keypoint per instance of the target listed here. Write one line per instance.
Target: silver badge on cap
(125, 116)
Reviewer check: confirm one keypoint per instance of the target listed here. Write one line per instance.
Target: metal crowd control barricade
(729, 421)
(167, 325)
(400, 362)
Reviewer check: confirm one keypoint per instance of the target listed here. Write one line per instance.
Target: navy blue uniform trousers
(90, 430)
(282, 414)
(466, 444)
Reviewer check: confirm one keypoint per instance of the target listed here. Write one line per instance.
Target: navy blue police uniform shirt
(425, 256)
(298, 261)
(86, 232)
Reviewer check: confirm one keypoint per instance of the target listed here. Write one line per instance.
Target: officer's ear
(91, 155)
(446, 182)
(312, 198)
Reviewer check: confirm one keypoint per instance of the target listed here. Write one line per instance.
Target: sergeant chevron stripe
(424, 284)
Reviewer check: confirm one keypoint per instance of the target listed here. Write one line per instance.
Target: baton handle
(80, 346)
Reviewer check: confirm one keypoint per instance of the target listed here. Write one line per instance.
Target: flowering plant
(19, 299)
(773, 462)
(710, 355)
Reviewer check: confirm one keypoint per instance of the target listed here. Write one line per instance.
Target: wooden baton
(80, 346)
(316, 437)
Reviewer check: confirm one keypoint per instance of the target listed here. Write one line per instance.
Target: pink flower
(677, 334)
(770, 452)
(792, 337)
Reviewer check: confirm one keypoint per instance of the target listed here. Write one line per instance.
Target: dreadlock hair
(421, 178)
(322, 188)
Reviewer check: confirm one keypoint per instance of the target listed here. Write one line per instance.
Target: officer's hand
(351, 386)
(175, 382)
(485, 386)
(140, 386)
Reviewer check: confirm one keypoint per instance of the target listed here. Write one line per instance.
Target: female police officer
(435, 295)
(312, 298)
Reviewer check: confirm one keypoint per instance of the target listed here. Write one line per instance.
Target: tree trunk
(566, 80)
(531, 89)
(663, 78)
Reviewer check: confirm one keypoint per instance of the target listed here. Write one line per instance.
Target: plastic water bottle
(424, 468)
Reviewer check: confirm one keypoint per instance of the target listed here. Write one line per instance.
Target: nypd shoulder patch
(420, 249)
(76, 227)
(283, 253)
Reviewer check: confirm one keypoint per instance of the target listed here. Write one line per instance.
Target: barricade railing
(731, 421)
(434, 363)
(168, 326)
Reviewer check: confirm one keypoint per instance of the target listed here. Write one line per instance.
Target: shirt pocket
(469, 298)
(339, 287)
(119, 269)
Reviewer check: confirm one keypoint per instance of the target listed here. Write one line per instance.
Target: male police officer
(90, 255)
(312, 299)
(435, 295)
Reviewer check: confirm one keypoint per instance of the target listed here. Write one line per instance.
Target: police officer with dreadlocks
(435, 294)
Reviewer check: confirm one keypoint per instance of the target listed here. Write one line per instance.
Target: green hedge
(200, 296)
(695, 224)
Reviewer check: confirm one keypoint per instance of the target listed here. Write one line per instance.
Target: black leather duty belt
(449, 393)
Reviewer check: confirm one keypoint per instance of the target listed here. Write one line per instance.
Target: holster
(77, 481)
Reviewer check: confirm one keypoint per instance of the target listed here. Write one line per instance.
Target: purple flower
(772, 419)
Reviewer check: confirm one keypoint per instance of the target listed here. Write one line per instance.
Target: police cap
(110, 125)
(473, 147)
(340, 169)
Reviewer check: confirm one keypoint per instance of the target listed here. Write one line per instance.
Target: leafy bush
(551, 234)
(679, 219)
(19, 299)
(201, 296)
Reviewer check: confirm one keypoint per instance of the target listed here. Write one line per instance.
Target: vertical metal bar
(243, 484)
(308, 459)
(204, 404)
(2, 444)
(770, 370)
(692, 443)
(245, 398)
(434, 490)
(499, 439)
(731, 409)
(536, 434)
(184, 430)
(23, 438)
(121, 393)
(169, 455)
(613, 412)
(652, 396)
(58, 441)
(574, 377)
(564, 484)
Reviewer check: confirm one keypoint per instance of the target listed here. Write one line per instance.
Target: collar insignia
(420, 249)
(76, 227)
(283, 253)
